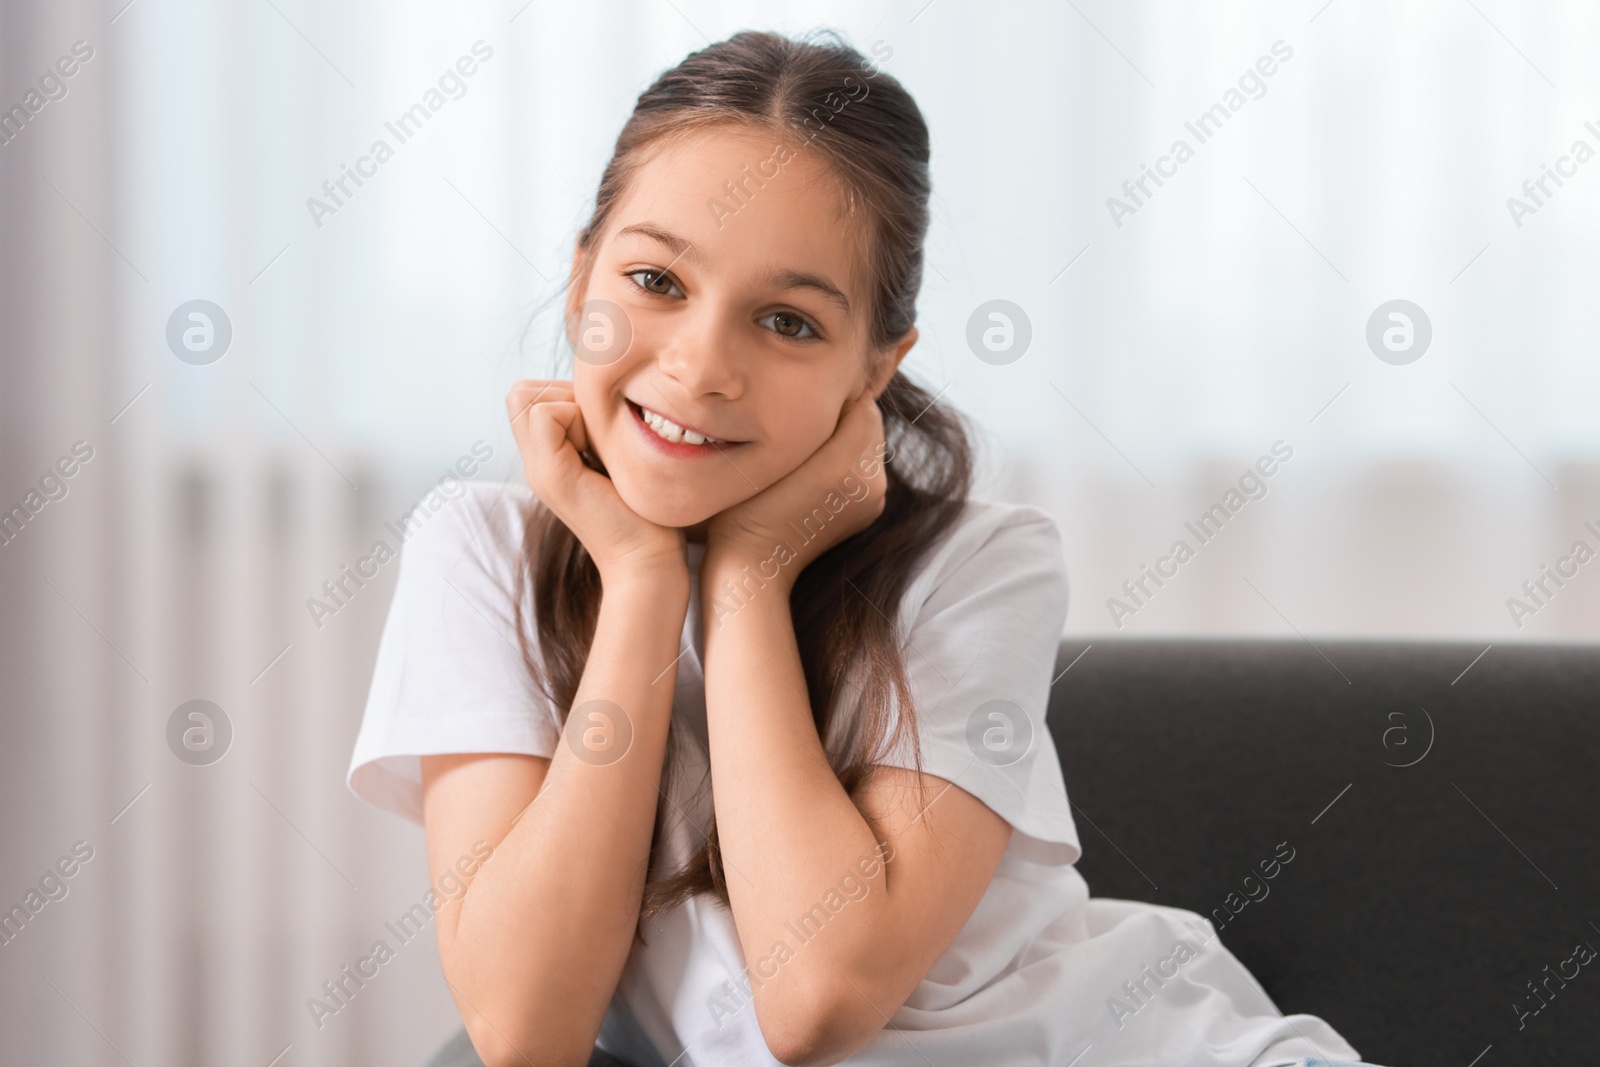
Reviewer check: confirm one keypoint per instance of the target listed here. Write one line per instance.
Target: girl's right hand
(549, 429)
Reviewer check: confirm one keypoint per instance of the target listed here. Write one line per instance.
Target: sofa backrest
(1440, 808)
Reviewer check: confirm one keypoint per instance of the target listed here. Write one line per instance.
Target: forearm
(544, 930)
(789, 832)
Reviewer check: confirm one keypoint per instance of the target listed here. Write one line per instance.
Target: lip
(677, 450)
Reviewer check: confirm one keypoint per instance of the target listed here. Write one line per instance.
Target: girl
(727, 731)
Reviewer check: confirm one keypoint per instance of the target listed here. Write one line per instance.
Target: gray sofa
(1443, 899)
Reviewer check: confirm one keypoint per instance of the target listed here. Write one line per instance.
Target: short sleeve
(983, 622)
(449, 675)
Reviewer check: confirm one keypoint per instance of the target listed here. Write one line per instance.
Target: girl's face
(748, 324)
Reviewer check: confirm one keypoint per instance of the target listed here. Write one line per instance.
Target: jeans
(458, 1052)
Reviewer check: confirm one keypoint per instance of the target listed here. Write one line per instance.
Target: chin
(663, 509)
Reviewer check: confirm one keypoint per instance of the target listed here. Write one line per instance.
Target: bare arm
(791, 835)
(534, 948)
(833, 962)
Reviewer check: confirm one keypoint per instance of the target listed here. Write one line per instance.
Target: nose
(701, 354)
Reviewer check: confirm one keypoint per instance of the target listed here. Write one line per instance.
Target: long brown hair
(844, 603)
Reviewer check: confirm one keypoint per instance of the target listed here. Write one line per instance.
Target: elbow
(802, 1054)
(492, 1047)
(817, 1029)
(495, 1049)
(475, 1007)
(796, 1048)
(504, 1034)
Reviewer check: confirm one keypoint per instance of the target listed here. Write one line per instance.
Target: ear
(889, 361)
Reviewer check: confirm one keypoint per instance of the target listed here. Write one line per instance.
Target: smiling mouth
(670, 432)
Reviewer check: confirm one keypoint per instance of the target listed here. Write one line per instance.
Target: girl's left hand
(843, 482)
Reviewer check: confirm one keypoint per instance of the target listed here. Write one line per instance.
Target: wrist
(734, 578)
(667, 583)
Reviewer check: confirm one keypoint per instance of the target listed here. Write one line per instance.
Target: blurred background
(177, 489)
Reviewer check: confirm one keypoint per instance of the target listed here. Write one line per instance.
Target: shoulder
(1013, 525)
(991, 544)
(476, 526)
(981, 625)
(451, 675)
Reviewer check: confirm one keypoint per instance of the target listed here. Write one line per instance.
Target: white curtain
(1178, 335)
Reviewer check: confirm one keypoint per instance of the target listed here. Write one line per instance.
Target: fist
(837, 492)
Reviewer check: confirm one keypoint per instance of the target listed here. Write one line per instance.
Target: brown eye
(658, 282)
(788, 324)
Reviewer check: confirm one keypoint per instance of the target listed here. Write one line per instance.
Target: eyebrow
(782, 279)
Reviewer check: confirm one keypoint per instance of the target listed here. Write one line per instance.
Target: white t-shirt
(1040, 974)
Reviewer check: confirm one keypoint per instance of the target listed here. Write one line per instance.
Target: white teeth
(665, 427)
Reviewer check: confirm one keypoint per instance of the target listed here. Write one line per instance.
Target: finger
(533, 390)
(527, 394)
(578, 430)
(551, 424)
(870, 441)
(538, 385)
(524, 394)
(866, 405)
(860, 427)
